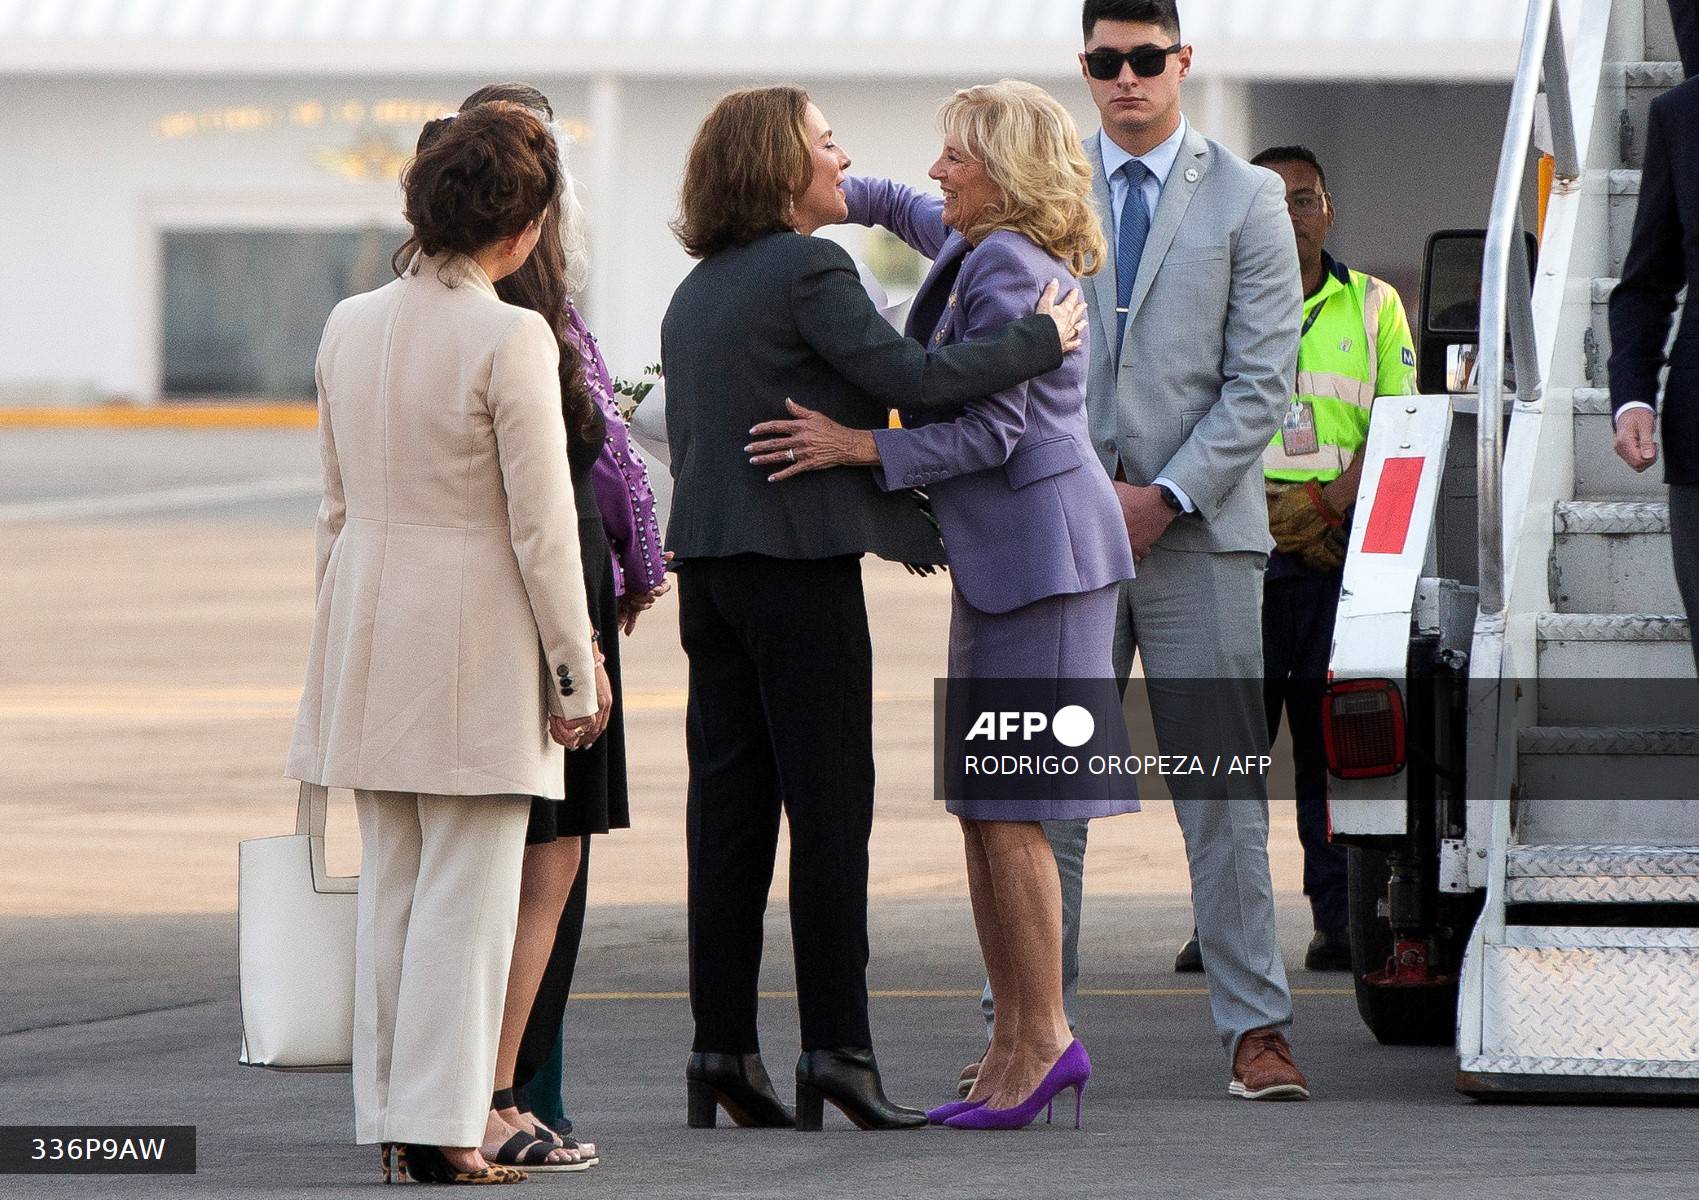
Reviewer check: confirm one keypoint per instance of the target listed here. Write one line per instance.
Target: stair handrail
(1507, 294)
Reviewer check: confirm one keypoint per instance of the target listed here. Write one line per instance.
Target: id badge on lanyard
(1298, 427)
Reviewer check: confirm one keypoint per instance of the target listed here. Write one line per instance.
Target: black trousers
(1685, 15)
(1684, 546)
(1298, 613)
(543, 1028)
(780, 716)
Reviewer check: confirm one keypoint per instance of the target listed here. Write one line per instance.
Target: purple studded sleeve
(621, 481)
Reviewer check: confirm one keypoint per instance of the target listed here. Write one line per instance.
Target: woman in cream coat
(452, 643)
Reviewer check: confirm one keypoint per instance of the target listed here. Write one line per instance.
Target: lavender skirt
(1068, 639)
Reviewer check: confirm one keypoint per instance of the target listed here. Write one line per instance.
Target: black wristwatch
(1169, 498)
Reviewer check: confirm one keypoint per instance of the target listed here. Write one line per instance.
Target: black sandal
(532, 1154)
(428, 1164)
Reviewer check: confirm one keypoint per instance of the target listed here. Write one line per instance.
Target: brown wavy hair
(748, 164)
(544, 283)
(1031, 150)
(477, 177)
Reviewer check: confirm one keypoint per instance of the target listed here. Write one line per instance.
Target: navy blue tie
(1129, 244)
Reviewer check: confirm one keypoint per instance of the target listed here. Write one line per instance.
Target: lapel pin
(1191, 174)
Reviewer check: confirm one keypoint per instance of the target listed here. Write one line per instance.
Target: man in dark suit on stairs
(1663, 258)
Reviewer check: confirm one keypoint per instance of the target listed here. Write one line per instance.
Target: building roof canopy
(1263, 39)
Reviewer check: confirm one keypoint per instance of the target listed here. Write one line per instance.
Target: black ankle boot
(850, 1080)
(737, 1083)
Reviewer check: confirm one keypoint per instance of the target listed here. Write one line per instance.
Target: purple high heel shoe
(1072, 1070)
(944, 1112)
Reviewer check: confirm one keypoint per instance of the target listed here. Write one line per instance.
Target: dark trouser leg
(1684, 546)
(1298, 618)
(538, 1071)
(732, 810)
(807, 623)
(1685, 15)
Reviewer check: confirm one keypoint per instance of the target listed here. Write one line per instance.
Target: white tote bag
(295, 948)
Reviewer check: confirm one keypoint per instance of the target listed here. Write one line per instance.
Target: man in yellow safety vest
(1355, 346)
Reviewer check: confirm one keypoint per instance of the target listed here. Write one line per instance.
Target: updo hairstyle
(478, 177)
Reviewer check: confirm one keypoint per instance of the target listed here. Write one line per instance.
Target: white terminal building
(190, 185)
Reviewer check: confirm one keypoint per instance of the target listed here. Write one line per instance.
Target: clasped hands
(583, 732)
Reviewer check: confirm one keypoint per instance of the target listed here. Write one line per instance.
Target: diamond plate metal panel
(1504, 1064)
(1603, 889)
(1527, 862)
(1625, 183)
(1610, 516)
(1547, 937)
(1594, 1004)
(1549, 739)
(1613, 627)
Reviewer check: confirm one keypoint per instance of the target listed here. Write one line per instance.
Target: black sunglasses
(1147, 61)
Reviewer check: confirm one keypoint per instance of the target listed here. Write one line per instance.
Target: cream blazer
(451, 616)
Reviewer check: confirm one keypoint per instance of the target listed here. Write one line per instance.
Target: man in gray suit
(1199, 312)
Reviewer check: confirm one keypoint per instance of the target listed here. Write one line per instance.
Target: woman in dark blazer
(771, 610)
(1036, 543)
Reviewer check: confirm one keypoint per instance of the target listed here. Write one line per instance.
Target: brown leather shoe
(1263, 1068)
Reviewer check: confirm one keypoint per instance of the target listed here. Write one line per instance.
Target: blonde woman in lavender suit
(1034, 536)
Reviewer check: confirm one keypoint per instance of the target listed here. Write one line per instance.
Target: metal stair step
(1643, 741)
(1597, 784)
(1599, 327)
(1615, 669)
(1613, 1014)
(1599, 473)
(1659, 30)
(1572, 874)
(1610, 516)
(1613, 627)
(1599, 290)
(1612, 556)
(1623, 202)
(1642, 83)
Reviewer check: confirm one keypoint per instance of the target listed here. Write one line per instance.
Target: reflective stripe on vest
(1338, 366)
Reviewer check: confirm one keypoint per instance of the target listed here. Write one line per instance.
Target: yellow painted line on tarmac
(148, 702)
(199, 416)
(950, 994)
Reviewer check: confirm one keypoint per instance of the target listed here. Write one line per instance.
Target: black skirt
(596, 799)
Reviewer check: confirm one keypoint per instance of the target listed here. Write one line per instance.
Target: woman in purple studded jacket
(624, 572)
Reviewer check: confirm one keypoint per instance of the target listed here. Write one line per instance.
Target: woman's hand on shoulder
(1068, 312)
(809, 441)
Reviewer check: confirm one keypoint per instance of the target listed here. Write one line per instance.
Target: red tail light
(1362, 724)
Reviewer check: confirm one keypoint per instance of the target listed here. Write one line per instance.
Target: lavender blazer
(1023, 507)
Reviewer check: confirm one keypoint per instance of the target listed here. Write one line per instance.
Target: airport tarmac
(156, 593)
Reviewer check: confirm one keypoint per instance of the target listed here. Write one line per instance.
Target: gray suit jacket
(1211, 348)
(786, 315)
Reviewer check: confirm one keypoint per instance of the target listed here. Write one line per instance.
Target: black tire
(1397, 1016)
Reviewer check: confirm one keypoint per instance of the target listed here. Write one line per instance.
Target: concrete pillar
(607, 103)
(1222, 111)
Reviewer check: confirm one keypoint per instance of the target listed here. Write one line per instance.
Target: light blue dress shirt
(1158, 164)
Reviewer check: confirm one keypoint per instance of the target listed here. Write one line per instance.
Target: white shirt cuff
(1631, 405)
(1179, 492)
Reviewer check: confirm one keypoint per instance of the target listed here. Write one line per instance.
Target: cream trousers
(439, 899)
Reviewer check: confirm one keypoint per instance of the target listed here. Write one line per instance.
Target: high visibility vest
(1356, 346)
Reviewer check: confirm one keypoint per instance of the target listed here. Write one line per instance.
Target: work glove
(1302, 516)
(1326, 553)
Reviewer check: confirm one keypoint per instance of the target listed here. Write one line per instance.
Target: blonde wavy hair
(1030, 149)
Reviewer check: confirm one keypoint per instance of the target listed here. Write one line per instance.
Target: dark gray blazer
(784, 316)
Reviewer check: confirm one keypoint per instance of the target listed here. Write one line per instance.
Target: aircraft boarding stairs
(1583, 971)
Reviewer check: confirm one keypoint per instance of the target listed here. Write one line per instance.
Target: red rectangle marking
(1395, 502)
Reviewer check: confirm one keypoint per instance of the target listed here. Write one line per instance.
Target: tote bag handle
(310, 817)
